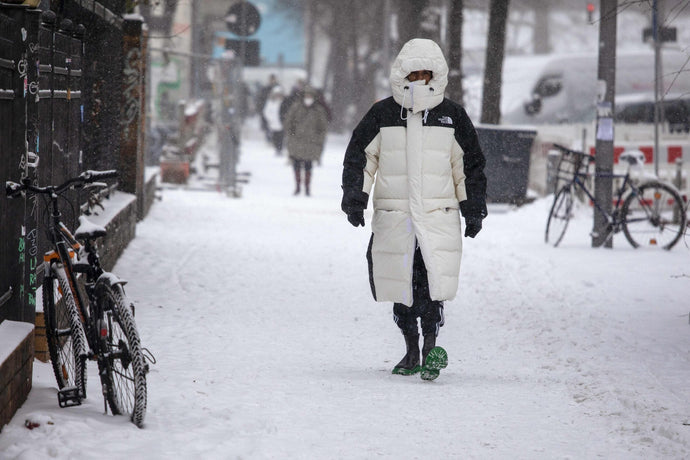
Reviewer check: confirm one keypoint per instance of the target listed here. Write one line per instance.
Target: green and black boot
(433, 358)
(409, 365)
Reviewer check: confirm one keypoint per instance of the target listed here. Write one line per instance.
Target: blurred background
(346, 47)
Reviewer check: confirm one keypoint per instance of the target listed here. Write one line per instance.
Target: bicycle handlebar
(92, 176)
(12, 189)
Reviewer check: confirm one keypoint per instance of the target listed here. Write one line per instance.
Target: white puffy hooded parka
(420, 154)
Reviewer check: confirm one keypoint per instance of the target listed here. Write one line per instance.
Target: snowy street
(269, 344)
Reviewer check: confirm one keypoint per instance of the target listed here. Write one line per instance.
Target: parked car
(639, 108)
(553, 89)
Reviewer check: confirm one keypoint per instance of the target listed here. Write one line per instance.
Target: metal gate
(41, 116)
(18, 159)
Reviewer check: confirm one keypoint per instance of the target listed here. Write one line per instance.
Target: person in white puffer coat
(420, 153)
(271, 113)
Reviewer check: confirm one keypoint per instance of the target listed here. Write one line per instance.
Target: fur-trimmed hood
(419, 54)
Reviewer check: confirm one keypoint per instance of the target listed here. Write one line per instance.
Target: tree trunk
(340, 54)
(311, 27)
(409, 17)
(455, 91)
(493, 69)
(542, 42)
(374, 64)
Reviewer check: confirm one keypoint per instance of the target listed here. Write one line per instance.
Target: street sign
(666, 34)
(243, 19)
(247, 50)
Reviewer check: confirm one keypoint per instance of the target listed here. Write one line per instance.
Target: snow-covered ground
(269, 345)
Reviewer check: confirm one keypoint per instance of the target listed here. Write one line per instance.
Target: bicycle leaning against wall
(652, 214)
(87, 314)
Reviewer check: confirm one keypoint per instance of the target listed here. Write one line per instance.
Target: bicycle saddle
(633, 157)
(87, 230)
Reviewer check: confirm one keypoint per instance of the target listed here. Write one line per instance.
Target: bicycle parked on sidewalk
(87, 314)
(652, 214)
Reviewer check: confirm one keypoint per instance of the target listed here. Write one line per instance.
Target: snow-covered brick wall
(16, 365)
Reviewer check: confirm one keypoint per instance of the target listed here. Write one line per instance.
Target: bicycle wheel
(64, 332)
(560, 214)
(654, 216)
(122, 367)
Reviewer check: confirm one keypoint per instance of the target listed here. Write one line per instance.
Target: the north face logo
(446, 120)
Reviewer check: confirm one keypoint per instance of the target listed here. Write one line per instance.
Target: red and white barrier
(669, 153)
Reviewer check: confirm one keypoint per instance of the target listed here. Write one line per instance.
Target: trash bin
(507, 153)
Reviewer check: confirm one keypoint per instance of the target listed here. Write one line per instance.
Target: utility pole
(606, 75)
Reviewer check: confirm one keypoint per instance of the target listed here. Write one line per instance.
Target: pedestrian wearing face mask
(305, 126)
(420, 154)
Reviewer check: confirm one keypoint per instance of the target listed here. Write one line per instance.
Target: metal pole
(657, 82)
(606, 74)
(195, 49)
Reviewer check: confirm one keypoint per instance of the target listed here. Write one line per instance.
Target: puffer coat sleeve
(361, 162)
(474, 162)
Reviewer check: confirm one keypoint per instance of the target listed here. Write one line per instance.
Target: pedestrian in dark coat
(305, 127)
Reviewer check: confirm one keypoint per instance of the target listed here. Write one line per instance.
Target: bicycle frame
(611, 218)
(68, 249)
(90, 267)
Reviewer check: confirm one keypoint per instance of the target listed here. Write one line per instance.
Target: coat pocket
(392, 229)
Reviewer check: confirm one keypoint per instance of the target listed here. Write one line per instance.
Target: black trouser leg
(297, 166)
(278, 141)
(432, 318)
(406, 319)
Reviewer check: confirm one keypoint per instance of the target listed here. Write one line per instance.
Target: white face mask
(308, 101)
(417, 83)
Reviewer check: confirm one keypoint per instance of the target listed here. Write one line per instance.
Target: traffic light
(590, 12)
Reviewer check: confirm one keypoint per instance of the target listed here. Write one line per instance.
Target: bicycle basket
(570, 164)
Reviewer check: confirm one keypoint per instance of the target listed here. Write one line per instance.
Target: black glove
(472, 226)
(356, 218)
(354, 203)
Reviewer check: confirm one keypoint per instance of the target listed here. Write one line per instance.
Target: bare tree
(493, 69)
(542, 39)
(310, 11)
(409, 15)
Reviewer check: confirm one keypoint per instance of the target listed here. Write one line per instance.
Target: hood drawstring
(402, 107)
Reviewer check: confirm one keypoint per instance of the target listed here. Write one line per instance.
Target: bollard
(678, 182)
